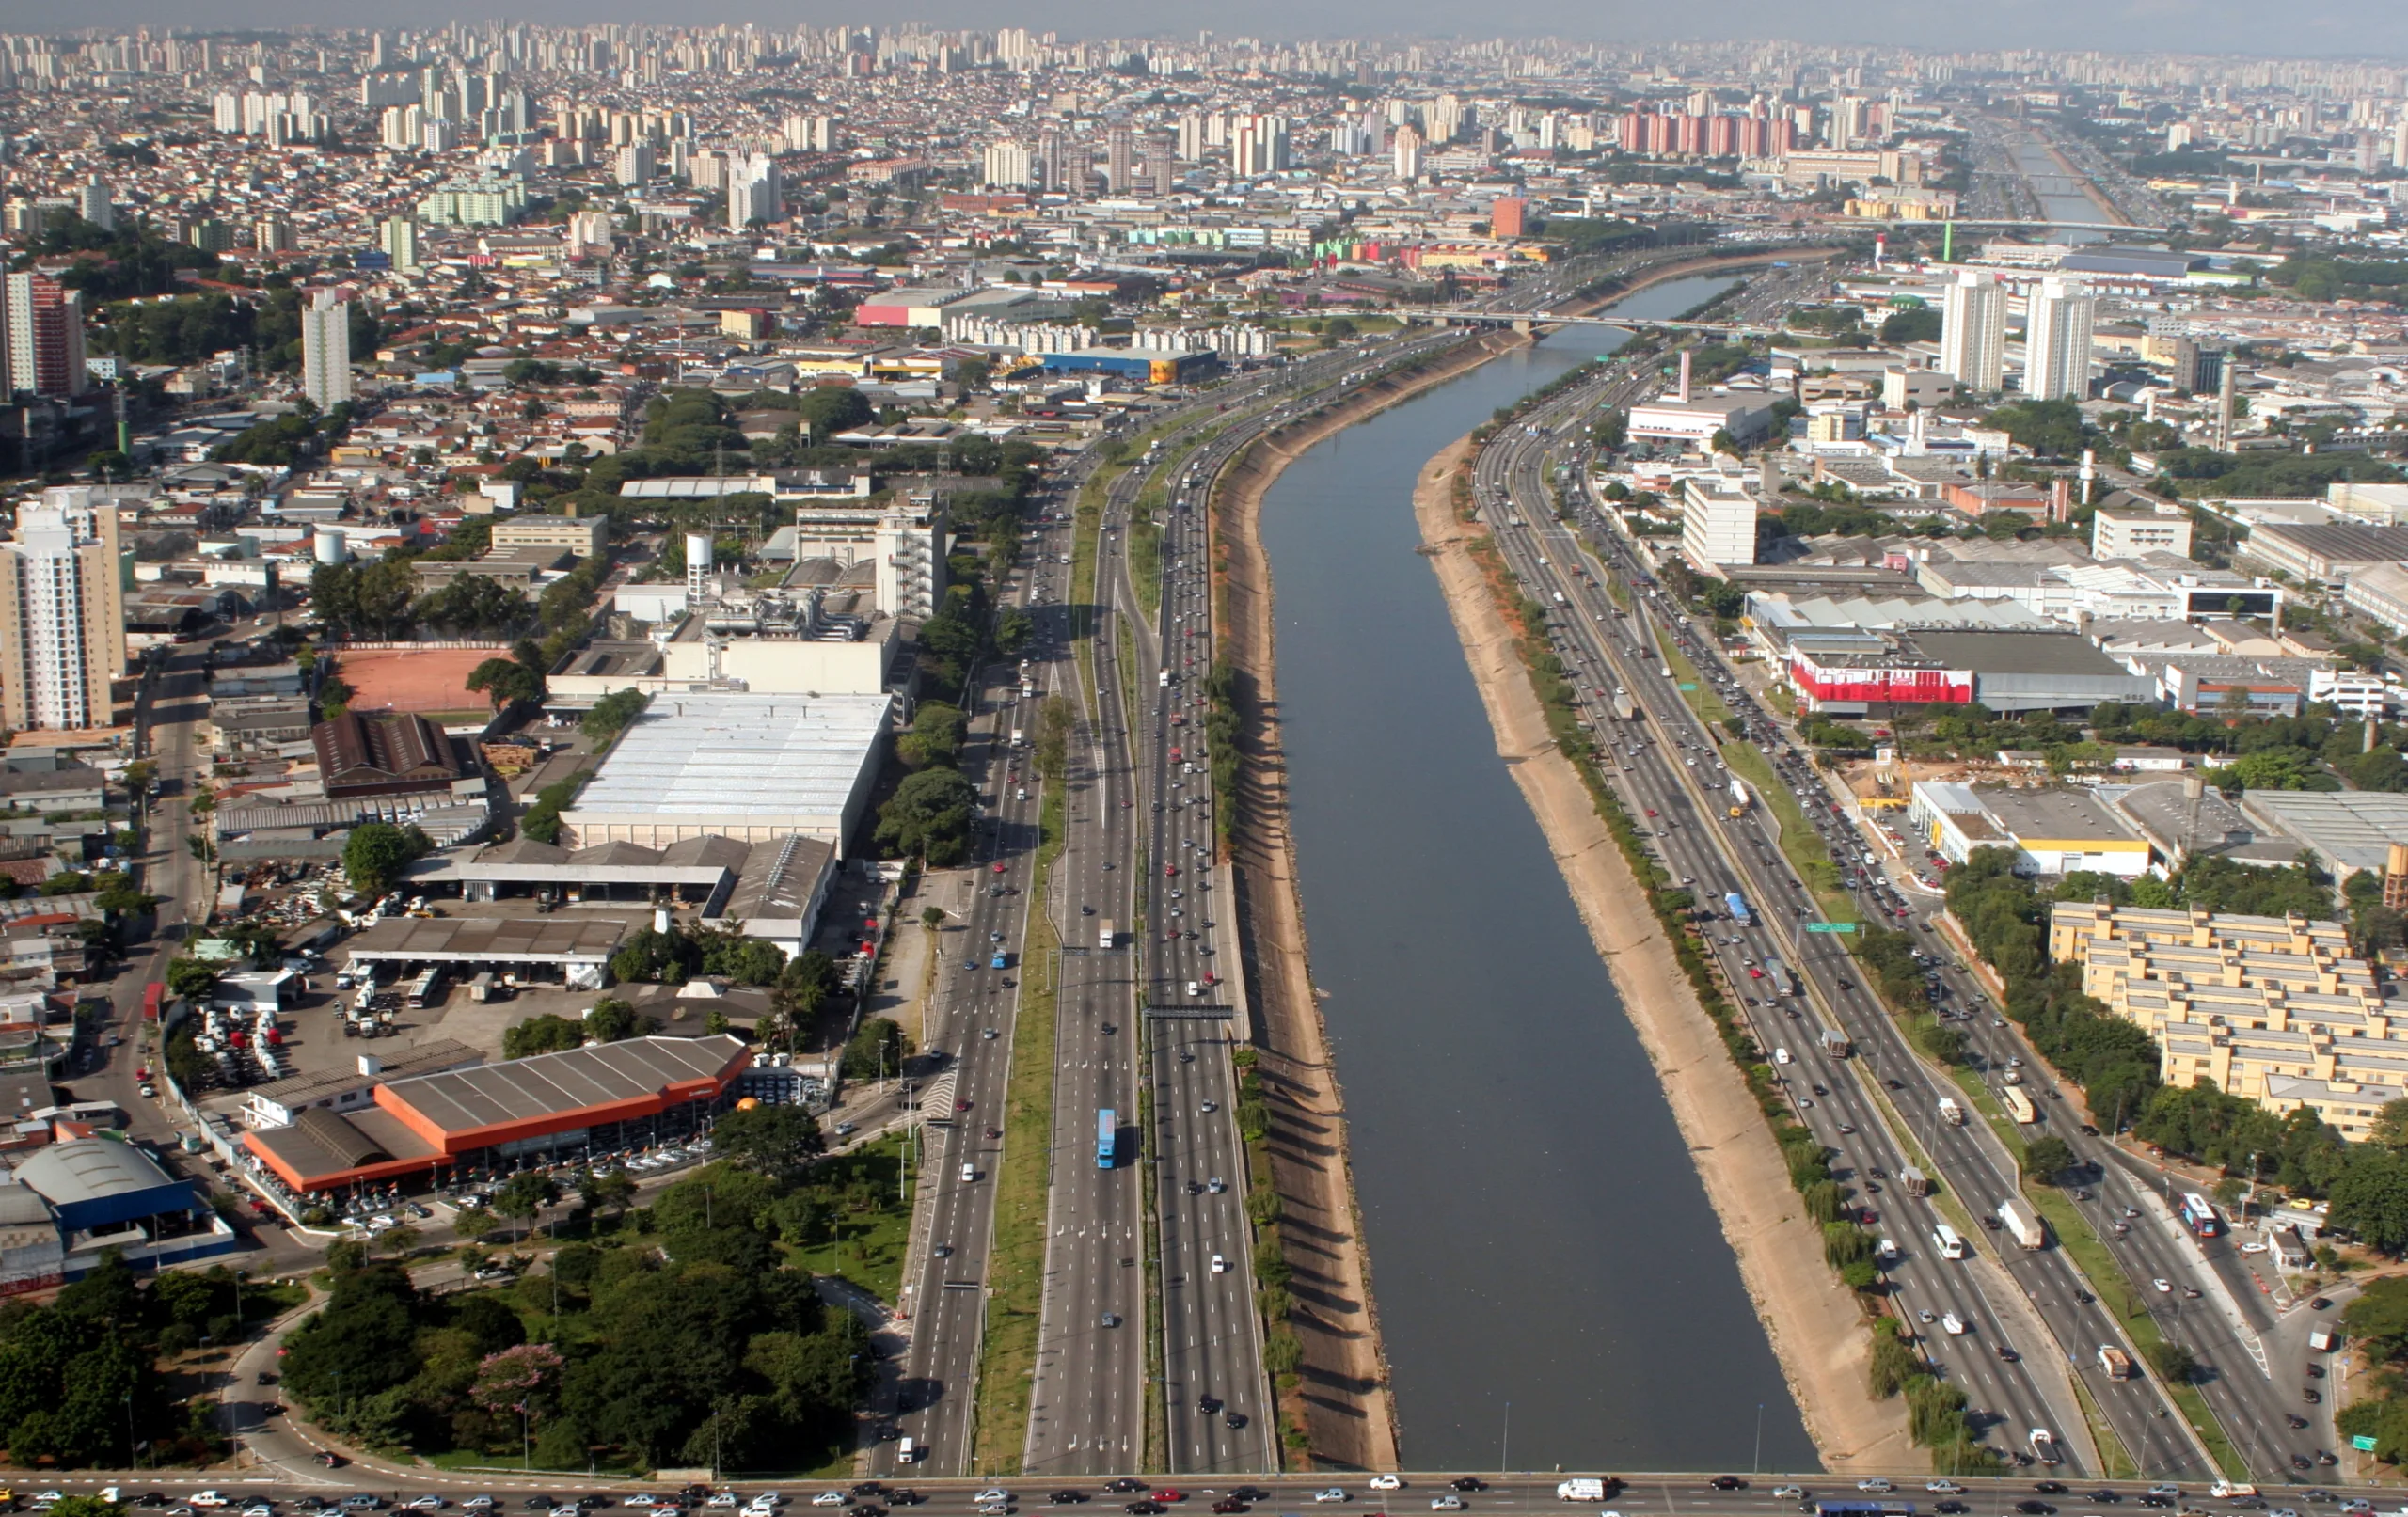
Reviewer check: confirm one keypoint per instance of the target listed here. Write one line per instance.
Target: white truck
(1583, 1489)
(1951, 1113)
(2025, 1228)
(2115, 1362)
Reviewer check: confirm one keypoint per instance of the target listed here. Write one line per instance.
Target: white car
(1221, 1266)
(568, 1510)
(1332, 1493)
(1450, 1502)
(198, 1498)
(825, 1499)
(1385, 1482)
(1937, 1488)
(428, 1503)
(485, 1503)
(1876, 1483)
(259, 1509)
(722, 1498)
(2164, 1287)
(1952, 1324)
(992, 1495)
(2253, 1248)
(642, 1498)
(1789, 1493)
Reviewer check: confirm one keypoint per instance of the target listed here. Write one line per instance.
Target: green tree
(377, 852)
(777, 1141)
(2173, 1363)
(546, 1034)
(935, 737)
(506, 682)
(524, 1197)
(929, 815)
(2046, 1159)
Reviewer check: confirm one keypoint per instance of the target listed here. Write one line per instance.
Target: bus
(1738, 906)
(2019, 1105)
(1107, 1138)
(428, 989)
(1778, 977)
(2200, 1217)
(1864, 1508)
(1951, 1246)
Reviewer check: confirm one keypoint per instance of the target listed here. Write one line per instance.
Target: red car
(1754, 974)
(1167, 1495)
(999, 868)
(961, 1106)
(1169, 870)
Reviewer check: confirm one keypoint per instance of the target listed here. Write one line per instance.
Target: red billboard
(1876, 684)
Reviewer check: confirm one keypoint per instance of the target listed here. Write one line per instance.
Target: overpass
(1525, 320)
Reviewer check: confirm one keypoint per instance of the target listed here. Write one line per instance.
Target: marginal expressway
(1876, 1111)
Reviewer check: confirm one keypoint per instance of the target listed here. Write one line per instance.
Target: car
(1167, 1493)
(2311, 1394)
(831, 1498)
(1227, 1505)
(2317, 1303)
(2162, 1488)
(1937, 1488)
(1874, 1483)
(1952, 1324)
(2106, 1497)
(485, 1503)
(1450, 1502)
(2050, 1488)
(1789, 1493)
(1385, 1482)
(1468, 1482)
(2164, 1287)
(198, 1498)
(1124, 1483)
(1110, 1319)
(1951, 1509)
(2034, 1509)
(993, 1493)
(1216, 1185)
(427, 1503)
(2157, 1501)
(1728, 1482)
(1330, 1494)
(1220, 1265)
(1065, 1498)
(1143, 1508)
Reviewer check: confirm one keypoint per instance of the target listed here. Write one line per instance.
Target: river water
(2061, 195)
(1553, 1288)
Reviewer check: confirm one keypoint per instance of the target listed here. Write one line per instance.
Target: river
(2063, 196)
(1554, 1288)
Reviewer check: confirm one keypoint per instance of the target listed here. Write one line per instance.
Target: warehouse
(1868, 673)
(1144, 366)
(2056, 830)
(598, 1099)
(756, 769)
(576, 950)
(2344, 831)
(2327, 552)
(109, 1194)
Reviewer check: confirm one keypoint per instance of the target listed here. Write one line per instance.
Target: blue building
(104, 1195)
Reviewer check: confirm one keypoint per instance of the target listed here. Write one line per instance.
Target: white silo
(331, 546)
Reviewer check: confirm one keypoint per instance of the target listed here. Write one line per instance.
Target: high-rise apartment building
(1973, 331)
(398, 236)
(62, 619)
(45, 327)
(635, 165)
(326, 349)
(1718, 521)
(1119, 156)
(273, 234)
(2059, 315)
(1162, 167)
(1405, 150)
(753, 191)
(1006, 166)
(96, 205)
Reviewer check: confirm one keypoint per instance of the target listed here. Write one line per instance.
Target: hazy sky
(2358, 28)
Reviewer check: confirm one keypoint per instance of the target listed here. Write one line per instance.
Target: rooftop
(522, 1090)
(738, 756)
(2017, 652)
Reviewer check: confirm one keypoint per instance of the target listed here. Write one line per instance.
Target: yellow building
(2275, 1009)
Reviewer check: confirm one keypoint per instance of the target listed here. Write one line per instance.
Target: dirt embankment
(1343, 1396)
(1818, 1331)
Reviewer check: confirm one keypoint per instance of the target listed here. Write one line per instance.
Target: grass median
(1016, 1258)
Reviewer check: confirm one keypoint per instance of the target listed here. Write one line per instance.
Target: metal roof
(550, 1084)
(736, 755)
(92, 1169)
(468, 940)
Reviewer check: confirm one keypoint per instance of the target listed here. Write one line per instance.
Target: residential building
(2059, 316)
(1973, 331)
(62, 620)
(2274, 1009)
(398, 236)
(45, 336)
(326, 349)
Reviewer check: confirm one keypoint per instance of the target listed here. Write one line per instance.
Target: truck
(1016, 737)
(1951, 1113)
(2115, 1362)
(1914, 1180)
(1738, 908)
(2324, 1337)
(2019, 1105)
(1738, 798)
(1625, 708)
(2044, 1447)
(2025, 1228)
(1107, 935)
(1584, 1489)
(1835, 1043)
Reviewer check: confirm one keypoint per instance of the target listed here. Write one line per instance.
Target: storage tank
(331, 546)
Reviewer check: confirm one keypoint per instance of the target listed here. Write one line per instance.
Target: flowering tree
(514, 1379)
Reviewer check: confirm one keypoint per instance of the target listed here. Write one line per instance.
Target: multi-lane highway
(2238, 1321)
(1670, 774)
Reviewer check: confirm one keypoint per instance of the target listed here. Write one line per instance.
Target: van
(908, 1451)
(1022, 794)
(1193, 989)
(969, 1173)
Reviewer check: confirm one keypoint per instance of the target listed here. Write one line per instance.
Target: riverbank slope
(1816, 1330)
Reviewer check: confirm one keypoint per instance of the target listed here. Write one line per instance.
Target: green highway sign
(1831, 926)
(2363, 1444)
(1688, 686)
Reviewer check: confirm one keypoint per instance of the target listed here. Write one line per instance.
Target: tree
(928, 815)
(2173, 1361)
(525, 1195)
(777, 1141)
(474, 1223)
(612, 1020)
(2390, 1126)
(507, 681)
(548, 1033)
(2048, 1158)
(377, 852)
(191, 979)
(833, 408)
(935, 738)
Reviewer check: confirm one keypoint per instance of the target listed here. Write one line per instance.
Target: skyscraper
(45, 325)
(1161, 167)
(2056, 341)
(1006, 166)
(1973, 331)
(62, 621)
(1406, 149)
(97, 207)
(754, 193)
(326, 349)
(635, 165)
(1119, 156)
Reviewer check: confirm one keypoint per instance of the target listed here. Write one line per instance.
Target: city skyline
(2332, 29)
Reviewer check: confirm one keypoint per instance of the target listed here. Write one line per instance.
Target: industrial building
(576, 950)
(752, 767)
(1857, 673)
(2053, 829)
(106, 1194)
(396, 753)
(2324, 553)
(2341, 831)
(599, 1100)
(2275, 1009)
(1144, 366)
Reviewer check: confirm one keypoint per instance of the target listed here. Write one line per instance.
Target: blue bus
(1865, 1509)
(1107, 1138)
(1739, 910)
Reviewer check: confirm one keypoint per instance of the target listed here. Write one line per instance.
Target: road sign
(2363, 1444)
(1831, 926)
(1687, 686)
